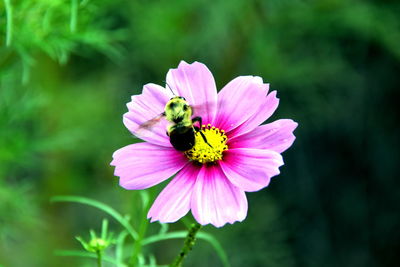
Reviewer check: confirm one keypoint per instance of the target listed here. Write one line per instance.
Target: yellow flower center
(210, 142)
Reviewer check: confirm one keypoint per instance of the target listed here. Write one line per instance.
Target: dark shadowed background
(67, 69)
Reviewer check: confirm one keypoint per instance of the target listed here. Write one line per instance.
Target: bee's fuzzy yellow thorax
(204, 153)
(178, 107)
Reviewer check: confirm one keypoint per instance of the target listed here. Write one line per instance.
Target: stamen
(211, 151)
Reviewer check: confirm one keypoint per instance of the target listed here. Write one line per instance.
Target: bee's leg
(169, 130)
(198, 119)
(198, 129)
(204, 138)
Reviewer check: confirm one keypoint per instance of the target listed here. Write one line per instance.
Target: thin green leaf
(171, 235)
(182, 234)
(74, 15)
(83, 242)
(217, 247)
(119, 251)
(92, 234)
(141, 260)
(163, 229)
(9, 28)
(104, 227)
(152, 261)
(144, 195)
(94, 203)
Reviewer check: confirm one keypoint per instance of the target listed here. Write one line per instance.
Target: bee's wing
(198, 110)
(145, 128)
(203, 109)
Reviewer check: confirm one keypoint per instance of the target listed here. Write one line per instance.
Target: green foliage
(57, 28)
(16, 215)
(32, 35)
(98, 245)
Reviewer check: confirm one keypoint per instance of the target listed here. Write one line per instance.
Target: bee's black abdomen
(182, 139)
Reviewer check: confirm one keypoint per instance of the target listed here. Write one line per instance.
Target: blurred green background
(68, 67)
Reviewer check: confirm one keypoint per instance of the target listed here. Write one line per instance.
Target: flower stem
(99, 258)
(187, 246)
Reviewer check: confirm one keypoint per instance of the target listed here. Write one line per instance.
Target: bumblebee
(182, 130)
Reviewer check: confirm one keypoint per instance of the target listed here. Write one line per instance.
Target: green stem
(187, 246)
(99, 258)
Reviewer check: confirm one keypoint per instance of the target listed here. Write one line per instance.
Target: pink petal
(277, 136)
(143, 165)
(174, 201)
(215, 200)
(251, 169)
(265, 110)
(195, 83)
(239, 101)
(147, 106)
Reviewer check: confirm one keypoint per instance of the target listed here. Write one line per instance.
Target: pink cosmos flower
(209, 181)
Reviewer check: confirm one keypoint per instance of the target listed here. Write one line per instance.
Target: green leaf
(141, 260)
(104, 227)
(101, 206)
(9, 28)
(217, 246)
(83, 242)
(171, 235)
(74, 15)
(144, 195)
(119, 252)
(182, 234)
(152, 261)
(163, 229)
(92, 234)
